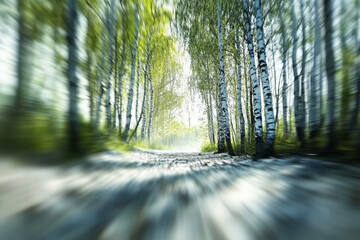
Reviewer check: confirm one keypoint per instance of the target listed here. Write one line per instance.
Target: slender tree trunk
(151, 106)
(116, 98)
(137, 90)
(224, 127)
(270, 123)
(284, 87)
(212, 132)
(255, 83)
(249, 105)
(132, 78)
(145, 97)
(210, 108)
(241, 116)
(110, 67)
(314, 115)
(303, 70)
(121, 74)
(256, 98)
(297, 99)
(101, 87)
(330, 72)
(73, 119)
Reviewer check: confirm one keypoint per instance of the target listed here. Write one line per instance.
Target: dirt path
(164, 195)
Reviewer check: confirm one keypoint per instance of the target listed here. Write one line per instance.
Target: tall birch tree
(132, 76)
(224, 127)
(270, 123)
(255, 82)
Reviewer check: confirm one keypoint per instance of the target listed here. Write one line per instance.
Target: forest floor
(167, 195)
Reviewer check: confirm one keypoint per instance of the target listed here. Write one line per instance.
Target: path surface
(180, 196)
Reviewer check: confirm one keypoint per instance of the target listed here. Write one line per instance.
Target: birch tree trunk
(255, 83)
(137, 91)
(101, 87)
(212, 132)
(224, 127)
(297, 99)
(303, 69)
(314, 117)
(145, 97)
(151, 106)
(270, 123)
(284, 87)
(210, 109)
(73, 118)
(110, 67)
(116, 98)
(132, 78)
(121, 74)
(330, 72)
(241, 116)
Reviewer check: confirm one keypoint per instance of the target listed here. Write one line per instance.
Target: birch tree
(270, 123)
(239, 85)
(297, 98)
(224, 128)
(120, 85)
(284, 54)
(132, 76)
(255, 82)
(111, 31)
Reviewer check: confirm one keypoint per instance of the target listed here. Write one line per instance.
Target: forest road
(180, 196)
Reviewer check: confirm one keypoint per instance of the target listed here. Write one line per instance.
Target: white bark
(297, 98)
(145, 97)
(132, 78)
(270, 123)
(255, 82)
(239, 84)
(121, 74)
(284, 87)
(137, 89)
(151, 106)
(224, 127)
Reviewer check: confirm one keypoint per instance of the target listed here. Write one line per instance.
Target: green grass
(208, 147)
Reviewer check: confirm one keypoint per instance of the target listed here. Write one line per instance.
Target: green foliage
(208, 147)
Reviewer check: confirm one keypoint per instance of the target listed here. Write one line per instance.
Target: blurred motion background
(73, 71)
(85, 76)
